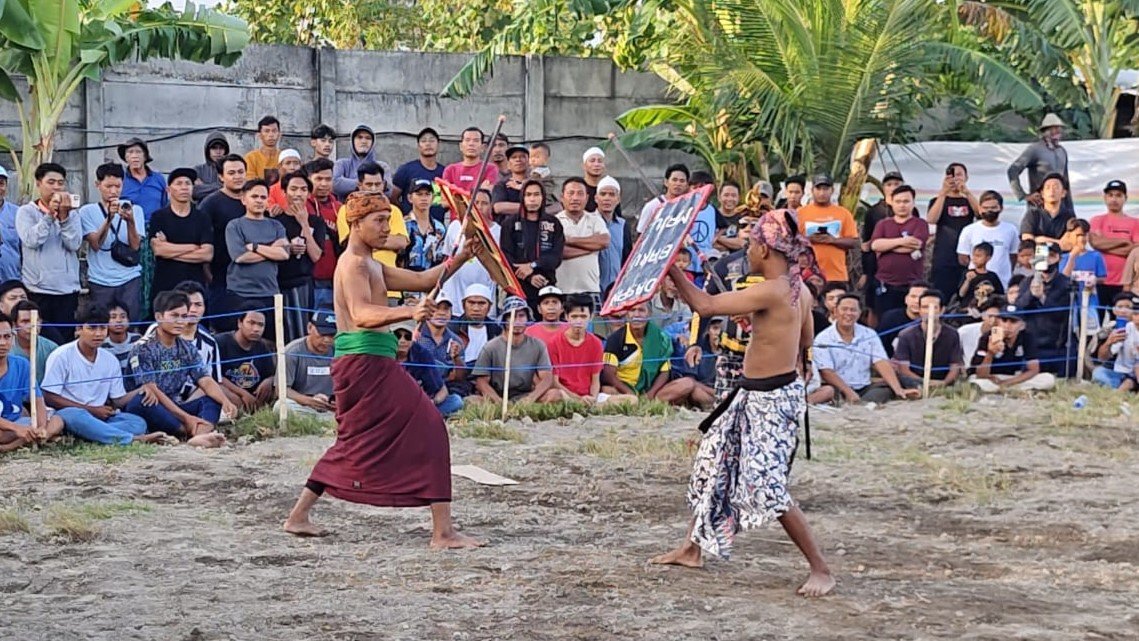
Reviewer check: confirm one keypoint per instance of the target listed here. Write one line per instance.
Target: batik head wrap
(361, 204)
(779, 231)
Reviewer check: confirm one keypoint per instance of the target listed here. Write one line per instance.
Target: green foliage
(265, 423)
(70, 447)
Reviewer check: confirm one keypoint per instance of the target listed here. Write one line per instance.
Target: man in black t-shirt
(951, 210)
(247, 362)
(181, 236)
(1006, 358)
(222, 207)
(306, 234)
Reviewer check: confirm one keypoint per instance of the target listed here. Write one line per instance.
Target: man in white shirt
(586, 235)
(847, 352)
(1003, 236)
(472, 272)
(675, 185)
(85, 385)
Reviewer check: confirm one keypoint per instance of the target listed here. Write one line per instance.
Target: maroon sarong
(391, 444)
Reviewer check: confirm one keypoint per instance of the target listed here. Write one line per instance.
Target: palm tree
(57, 44)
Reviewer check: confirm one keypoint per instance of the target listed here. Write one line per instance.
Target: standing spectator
(11, 292)
(420, 365)
(323, 142)
(223, 207)
(675, 185)
(472, 272)
(84, 384)
(954, 208)
(979, 283)
(794, 188)
(830, 228)
(51, 235)
(637, 362)
(947, 360)
(1001, 236)
(120, 339)
(142, 185)
(1042, 158)
(425, 234)
(426, 167)
(1048, 289)
(22, 317)
(247, 362)
(1115, 235)
(207, 176)
(847, 352)
(161, 364)
(181, 237)
(507, 194)
(308, 367)
(728, 237)
(830, 295)
(621, 236)
(899, 242)
(533, 242)
(262, 162)
(256, 246)
(899, 318)
(304, 232)
(324, 205)
(288, 162)
(878, 212)
(345, 175)
(531, 379)
(1111, 342)
(9, 239)
(703, 230)
(1025, 253)
(114, 230)
(592, 171)
(464, 173)
(1007, 358)
(1085, 266)
(1046, 223)
(498, 152)
(576, 356)
(551, 305)
(16, 429)
(586, 235)
(370, 180)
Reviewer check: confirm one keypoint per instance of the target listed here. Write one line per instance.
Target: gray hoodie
(208, 179)
(344, 173)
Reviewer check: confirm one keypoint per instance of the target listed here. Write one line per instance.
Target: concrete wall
(570, 103)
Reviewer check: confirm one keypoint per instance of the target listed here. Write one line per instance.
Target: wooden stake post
(282, 389)
(34, 340)
(506, 374)
(1082, 346)
(927, 372)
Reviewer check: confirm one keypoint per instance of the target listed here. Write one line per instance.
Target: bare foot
(153, 437)
(687, 555)
(304, 528)
(818, 584)
(455, 541)
(208, 440)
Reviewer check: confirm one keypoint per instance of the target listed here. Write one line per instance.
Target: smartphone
(1040, 258)
(1120, 323)
(74, 200)
(949, 171)
(126, 205)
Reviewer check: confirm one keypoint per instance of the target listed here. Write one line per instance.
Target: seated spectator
(847, 352)
(897, 319)
(669, 311)
(162, 364)
(979, 284)
(1084, 265)
(1014, 285)
(120, 338)
(576, 356)
(637, 362)
(22, 314)
(16, 429)
(308, 367)
(1048, 289)
(899, 242)
(947, 360)
(84, 384)
(444, 345)
(1007, 358)
(817, 392)
(194, 332)
(422, 367)
(1024, 254)
(551, 302)
(970, 334)
(11, 292)
(531, 379)
(246, 361)
(1111, 343)
(473, 327)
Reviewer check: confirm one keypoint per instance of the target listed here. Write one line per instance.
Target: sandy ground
(1002, 522)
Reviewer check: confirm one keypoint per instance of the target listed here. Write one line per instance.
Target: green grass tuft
(70, 524)
(486, 430)
(12, 522)
(264, 424)
(71, 447)
(538, 412)
(642, 447)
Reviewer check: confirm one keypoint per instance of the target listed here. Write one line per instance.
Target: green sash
(366, 342)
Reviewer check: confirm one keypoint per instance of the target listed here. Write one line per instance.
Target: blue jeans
(322, 294)
(159, 419)
(1108, 377)
(453, 403)
(120, 428)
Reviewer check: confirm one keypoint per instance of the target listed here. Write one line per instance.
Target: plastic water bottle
(1080, 403)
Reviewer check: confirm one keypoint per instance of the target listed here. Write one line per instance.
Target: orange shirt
(832, 259)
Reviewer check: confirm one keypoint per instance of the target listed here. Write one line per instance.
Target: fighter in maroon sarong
(391, 444)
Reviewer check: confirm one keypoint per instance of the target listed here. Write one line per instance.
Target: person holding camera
(114, 229)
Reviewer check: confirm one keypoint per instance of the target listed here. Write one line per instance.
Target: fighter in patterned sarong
(740, 477)
(391, 444)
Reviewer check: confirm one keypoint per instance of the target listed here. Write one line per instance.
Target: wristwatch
(533, 265)
(254, 248)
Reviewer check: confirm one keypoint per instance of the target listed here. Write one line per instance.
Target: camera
(74, 200)
(125, 205)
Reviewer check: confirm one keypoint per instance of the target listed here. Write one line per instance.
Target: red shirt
(894, 268)
(463, 176)
(326, 266)
(1119, 226)
(575, 366)
(542, 333)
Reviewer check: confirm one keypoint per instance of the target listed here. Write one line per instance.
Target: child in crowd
(1084, 265)
(979, 283)
(540, 171)
(1014, 285)
(1024, 254)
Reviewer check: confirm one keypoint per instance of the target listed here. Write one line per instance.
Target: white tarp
(1091, 164)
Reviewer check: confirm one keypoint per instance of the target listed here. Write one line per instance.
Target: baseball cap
(423, 132)
(443, 299)
(477, 290)
(592, 151)
(550, 290)
(406, 325)
(420, 183)
(510, 151)
(893, 175)
(1116, 185)
(822, 180)
(765, 189)
(3, 172)
(325, 322)
(182, 172)
(1011, 311)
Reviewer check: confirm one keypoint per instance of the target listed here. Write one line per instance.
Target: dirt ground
(1009, 519)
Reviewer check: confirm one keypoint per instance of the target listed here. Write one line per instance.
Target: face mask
(990, 216)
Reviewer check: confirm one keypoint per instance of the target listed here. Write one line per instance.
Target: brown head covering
(361, 204)
(779, 230)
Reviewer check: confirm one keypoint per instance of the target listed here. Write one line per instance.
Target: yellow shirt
(385, 256)
(257, 162)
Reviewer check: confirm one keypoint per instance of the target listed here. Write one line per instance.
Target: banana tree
(57, 44)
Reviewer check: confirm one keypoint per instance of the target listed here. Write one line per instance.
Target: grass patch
(1105, 407)
(12, 522)
(102, 511)
(538, 412)
(959, 399)
(645, 447)
(71, 447)
(948, 479)
(264, 424)
(486, 430)
(70, 523)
